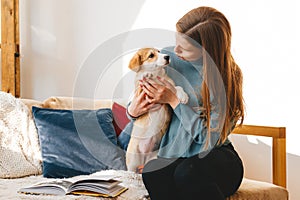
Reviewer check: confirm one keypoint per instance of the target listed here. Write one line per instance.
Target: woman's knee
(189, 172)
(155, 165)
(155, 169)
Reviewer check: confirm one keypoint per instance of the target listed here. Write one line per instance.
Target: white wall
(58, 36)
(63, 43)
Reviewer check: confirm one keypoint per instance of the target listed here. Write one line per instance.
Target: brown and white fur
(149, 128)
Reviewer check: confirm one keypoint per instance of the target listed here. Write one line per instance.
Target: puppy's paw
(148, 75)
(181, 95)
(139, 169)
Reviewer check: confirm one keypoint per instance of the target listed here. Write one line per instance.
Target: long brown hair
(210, 28)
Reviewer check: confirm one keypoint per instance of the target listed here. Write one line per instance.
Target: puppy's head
(148, 58)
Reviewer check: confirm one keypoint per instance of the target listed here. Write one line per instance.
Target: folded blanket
(19, 146)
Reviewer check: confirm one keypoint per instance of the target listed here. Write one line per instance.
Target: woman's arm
(190, 120)
(196, 126)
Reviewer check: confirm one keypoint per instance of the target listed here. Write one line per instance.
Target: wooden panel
(10, 47)
(278, 135)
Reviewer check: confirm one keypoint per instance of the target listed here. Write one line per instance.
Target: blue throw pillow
(125, 135)
(77, 142)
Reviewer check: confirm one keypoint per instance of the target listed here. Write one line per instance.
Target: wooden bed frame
(278, 135)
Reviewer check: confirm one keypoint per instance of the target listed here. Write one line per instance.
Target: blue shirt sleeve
(195, 126)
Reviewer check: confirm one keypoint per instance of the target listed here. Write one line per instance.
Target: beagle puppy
(149, 128)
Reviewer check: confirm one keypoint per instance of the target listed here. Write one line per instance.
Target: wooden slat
(278, 135)
(17, 50)
(9, 47)
(268, 131)
(279, 161)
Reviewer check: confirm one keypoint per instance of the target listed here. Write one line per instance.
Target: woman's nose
(177, 49)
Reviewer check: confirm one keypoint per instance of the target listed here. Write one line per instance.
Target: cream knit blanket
(19, 146)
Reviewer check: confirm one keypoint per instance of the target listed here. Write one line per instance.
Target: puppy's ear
(135, 63)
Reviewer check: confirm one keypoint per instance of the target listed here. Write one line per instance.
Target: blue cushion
(125, 135)
(77, 142)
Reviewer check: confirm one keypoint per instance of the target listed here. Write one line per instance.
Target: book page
(96, 185)
(92, 177)
(117, 190)
(55, 187)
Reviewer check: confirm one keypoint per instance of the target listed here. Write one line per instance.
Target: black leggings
(213, 177)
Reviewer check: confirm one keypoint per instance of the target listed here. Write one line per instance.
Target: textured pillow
(20, 153)
(77, 142)
(120, 117)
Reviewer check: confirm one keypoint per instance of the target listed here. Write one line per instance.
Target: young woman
(196, 160)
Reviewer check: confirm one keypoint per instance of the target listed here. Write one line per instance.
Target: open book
(104, 186)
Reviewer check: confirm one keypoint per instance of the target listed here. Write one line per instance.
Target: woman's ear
(135, 63)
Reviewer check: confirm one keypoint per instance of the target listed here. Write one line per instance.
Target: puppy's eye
(151, 55)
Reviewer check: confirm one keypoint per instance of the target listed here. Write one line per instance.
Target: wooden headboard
(278, 135)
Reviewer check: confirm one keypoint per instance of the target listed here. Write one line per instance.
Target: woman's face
(185, 50)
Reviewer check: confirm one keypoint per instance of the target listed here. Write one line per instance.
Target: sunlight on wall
(265, 46)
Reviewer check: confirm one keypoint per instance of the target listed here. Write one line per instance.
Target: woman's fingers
(139, 105)
(141, 95)
(149, 95)
(167, 84)
(142, 100)
(157, 92)
(149, 88)
(151, 82)
(149, 100)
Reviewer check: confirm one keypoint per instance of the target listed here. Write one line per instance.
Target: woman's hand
(139, 105)
(159, 93)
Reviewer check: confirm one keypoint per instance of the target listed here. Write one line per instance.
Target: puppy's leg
(149, 145)
(133, 155)
(180, 93)
(182, 96)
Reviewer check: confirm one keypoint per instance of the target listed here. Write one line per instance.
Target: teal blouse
(187, 132)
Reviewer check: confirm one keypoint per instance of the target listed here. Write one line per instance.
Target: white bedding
(136, 191)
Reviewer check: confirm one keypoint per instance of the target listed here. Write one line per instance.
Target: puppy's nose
(167, 57)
